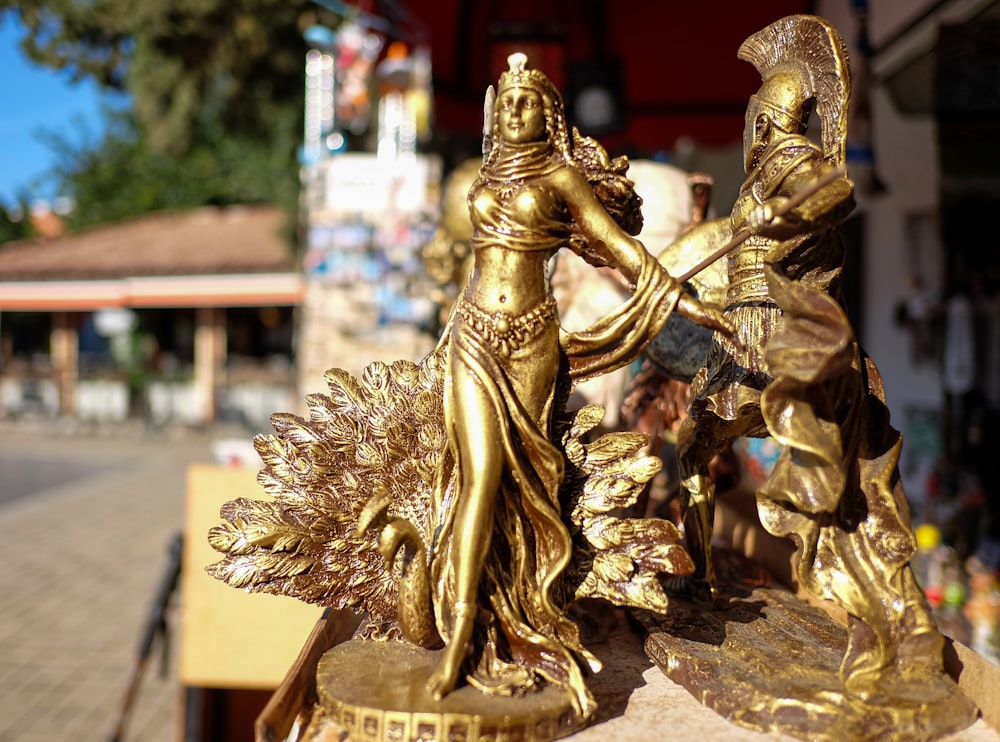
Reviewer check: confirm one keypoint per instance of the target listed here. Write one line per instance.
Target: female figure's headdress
(519, 76)
(605, 175)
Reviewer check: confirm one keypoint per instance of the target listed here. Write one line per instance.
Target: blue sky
(36, 98)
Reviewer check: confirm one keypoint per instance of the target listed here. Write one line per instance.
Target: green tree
(14, 223)
(216, 98)
(121, 174)
(238, 62)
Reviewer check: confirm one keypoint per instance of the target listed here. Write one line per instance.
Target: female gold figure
(453, 501)
(502, 544)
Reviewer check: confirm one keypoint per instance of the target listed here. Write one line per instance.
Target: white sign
(364, 185)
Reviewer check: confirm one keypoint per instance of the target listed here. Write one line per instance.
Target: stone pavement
(86, 529)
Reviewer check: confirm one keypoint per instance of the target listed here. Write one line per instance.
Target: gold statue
(802, 378)
(780, 161)
(464, 471)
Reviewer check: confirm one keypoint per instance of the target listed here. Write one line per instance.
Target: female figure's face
(521, 116)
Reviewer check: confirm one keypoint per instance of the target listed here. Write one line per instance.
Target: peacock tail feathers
(617, 558)
(367, 454)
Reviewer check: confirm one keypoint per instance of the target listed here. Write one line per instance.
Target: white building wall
(906, 155)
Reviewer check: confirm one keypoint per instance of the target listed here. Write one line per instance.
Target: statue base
(634, 694)
(375, 691)
(765, 660)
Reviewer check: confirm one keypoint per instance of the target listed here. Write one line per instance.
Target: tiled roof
(206, 241)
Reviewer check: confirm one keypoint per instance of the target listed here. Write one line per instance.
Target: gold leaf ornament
(619, 559)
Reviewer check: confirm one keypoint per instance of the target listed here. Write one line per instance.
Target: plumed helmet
(802, 57)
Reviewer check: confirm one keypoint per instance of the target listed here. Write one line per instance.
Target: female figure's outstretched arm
(629, 255)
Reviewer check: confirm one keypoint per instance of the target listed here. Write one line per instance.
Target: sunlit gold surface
(801, 378)
(795, 52)
(765, 660)
(376, 692)
(371, 441)
(495, 509)
(464, 471)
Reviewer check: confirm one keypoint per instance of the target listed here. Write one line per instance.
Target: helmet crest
(802, 57)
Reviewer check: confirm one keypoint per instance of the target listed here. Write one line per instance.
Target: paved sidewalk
(82, 559)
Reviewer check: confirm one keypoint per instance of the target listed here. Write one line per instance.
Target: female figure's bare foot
(443, 680)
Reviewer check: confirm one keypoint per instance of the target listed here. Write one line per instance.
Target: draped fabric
(517, 217)
(835, 487)
(530, 544)
(618, 338)
(521, 161)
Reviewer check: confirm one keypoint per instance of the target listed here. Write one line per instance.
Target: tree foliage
(122, 174)
(236, 61)
(11, 227)
(216, 94)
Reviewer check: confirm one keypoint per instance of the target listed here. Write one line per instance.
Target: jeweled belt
(504, 331)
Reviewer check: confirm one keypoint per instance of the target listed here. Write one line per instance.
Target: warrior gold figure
(455, 502)
(780, 161)
(801, 378)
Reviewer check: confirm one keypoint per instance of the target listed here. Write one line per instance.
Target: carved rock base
(768, 661)
(374, 691)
